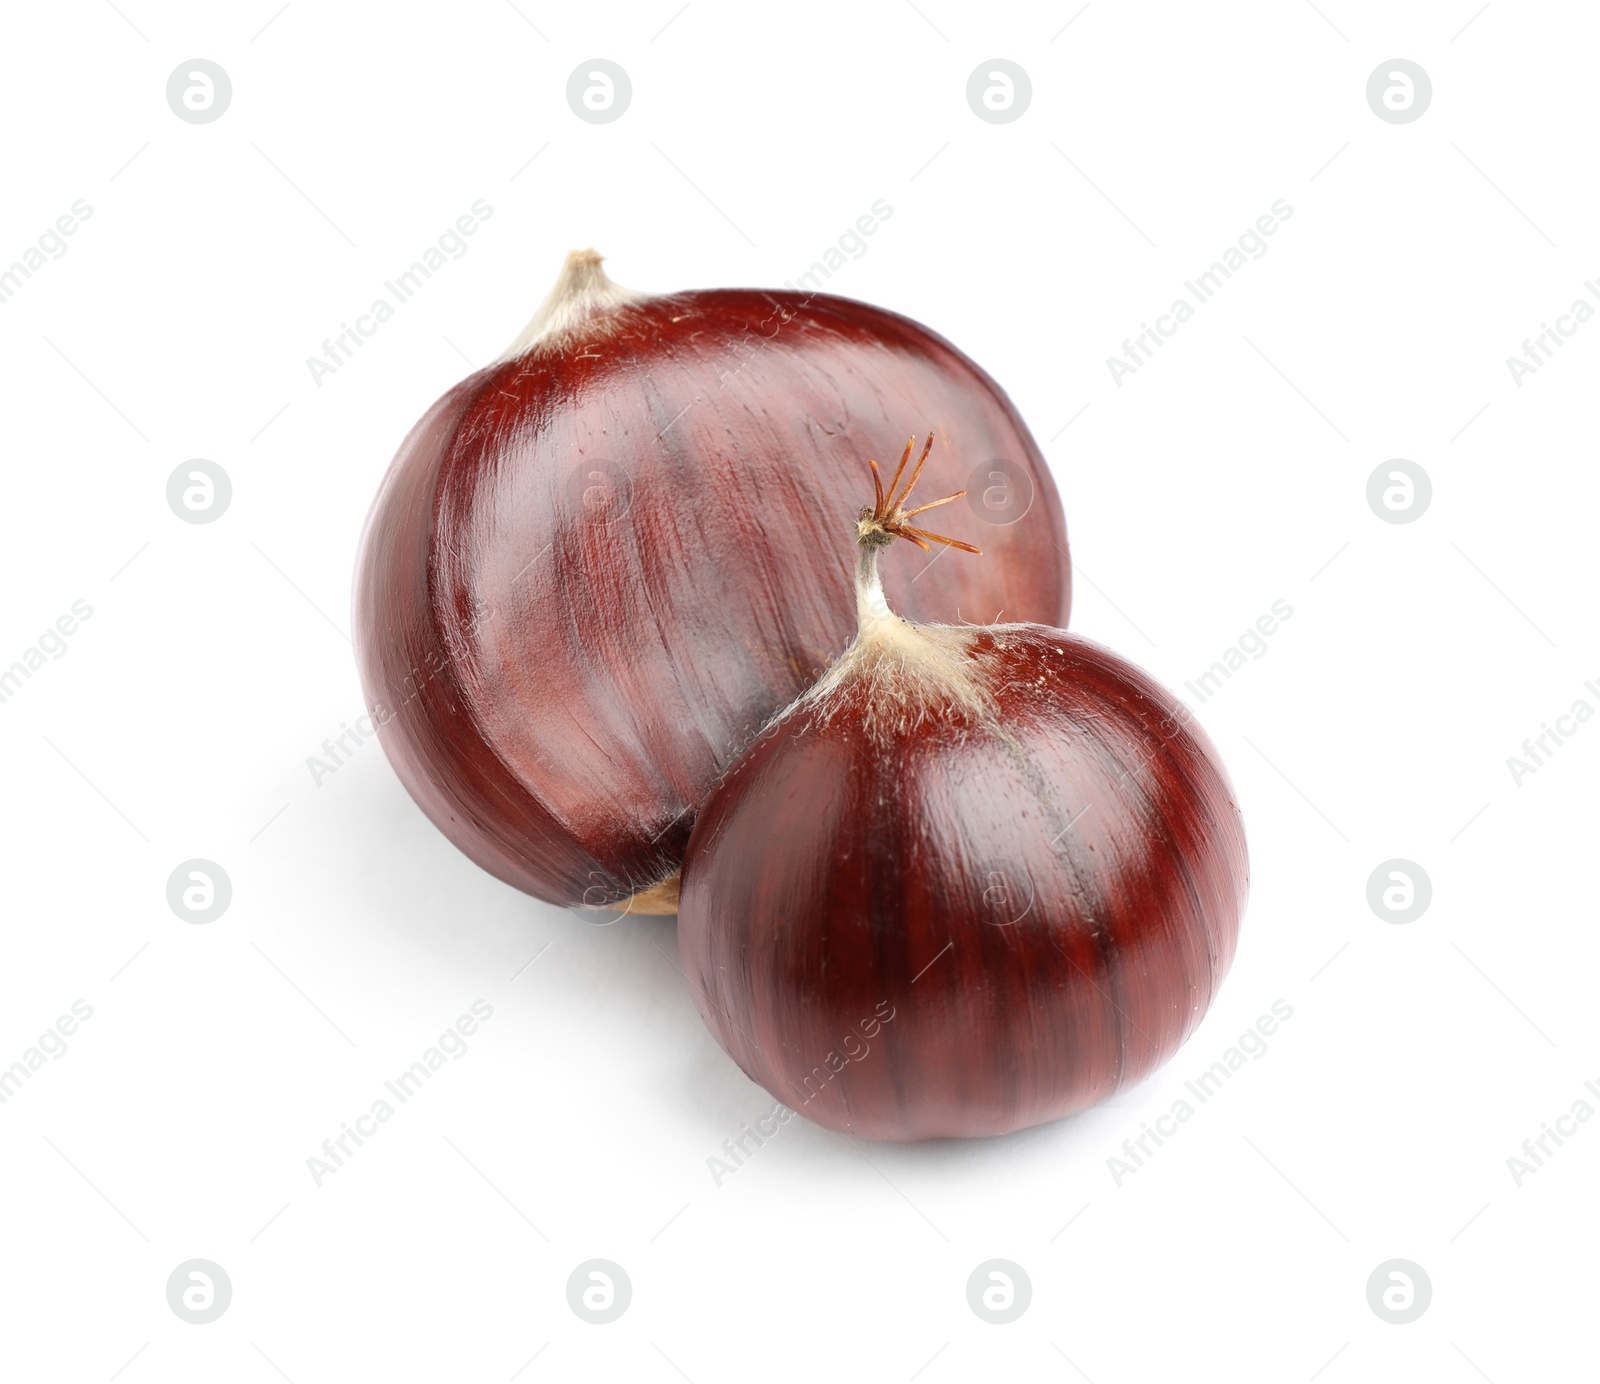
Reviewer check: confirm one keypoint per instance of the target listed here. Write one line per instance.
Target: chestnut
(976, 878)
(599, 566)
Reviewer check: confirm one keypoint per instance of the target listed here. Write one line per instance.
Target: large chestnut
(975, 879)
(597, 567)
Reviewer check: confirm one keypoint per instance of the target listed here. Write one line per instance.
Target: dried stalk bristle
(886, 520)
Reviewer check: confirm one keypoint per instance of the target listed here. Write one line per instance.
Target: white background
(1226, 474)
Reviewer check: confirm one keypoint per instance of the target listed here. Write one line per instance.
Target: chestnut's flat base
(660, 900)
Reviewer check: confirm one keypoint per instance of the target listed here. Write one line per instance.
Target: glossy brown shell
(1043, 915)
(590, 578)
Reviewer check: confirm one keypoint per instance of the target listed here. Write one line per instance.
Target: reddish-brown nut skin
(960, 933)
(590, 578)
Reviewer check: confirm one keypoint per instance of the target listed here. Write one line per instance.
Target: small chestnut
(976, 878)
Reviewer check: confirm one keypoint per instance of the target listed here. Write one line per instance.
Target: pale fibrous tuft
(898, 676)
(583, 302)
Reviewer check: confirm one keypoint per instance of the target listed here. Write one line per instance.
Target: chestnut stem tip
(886, 520)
